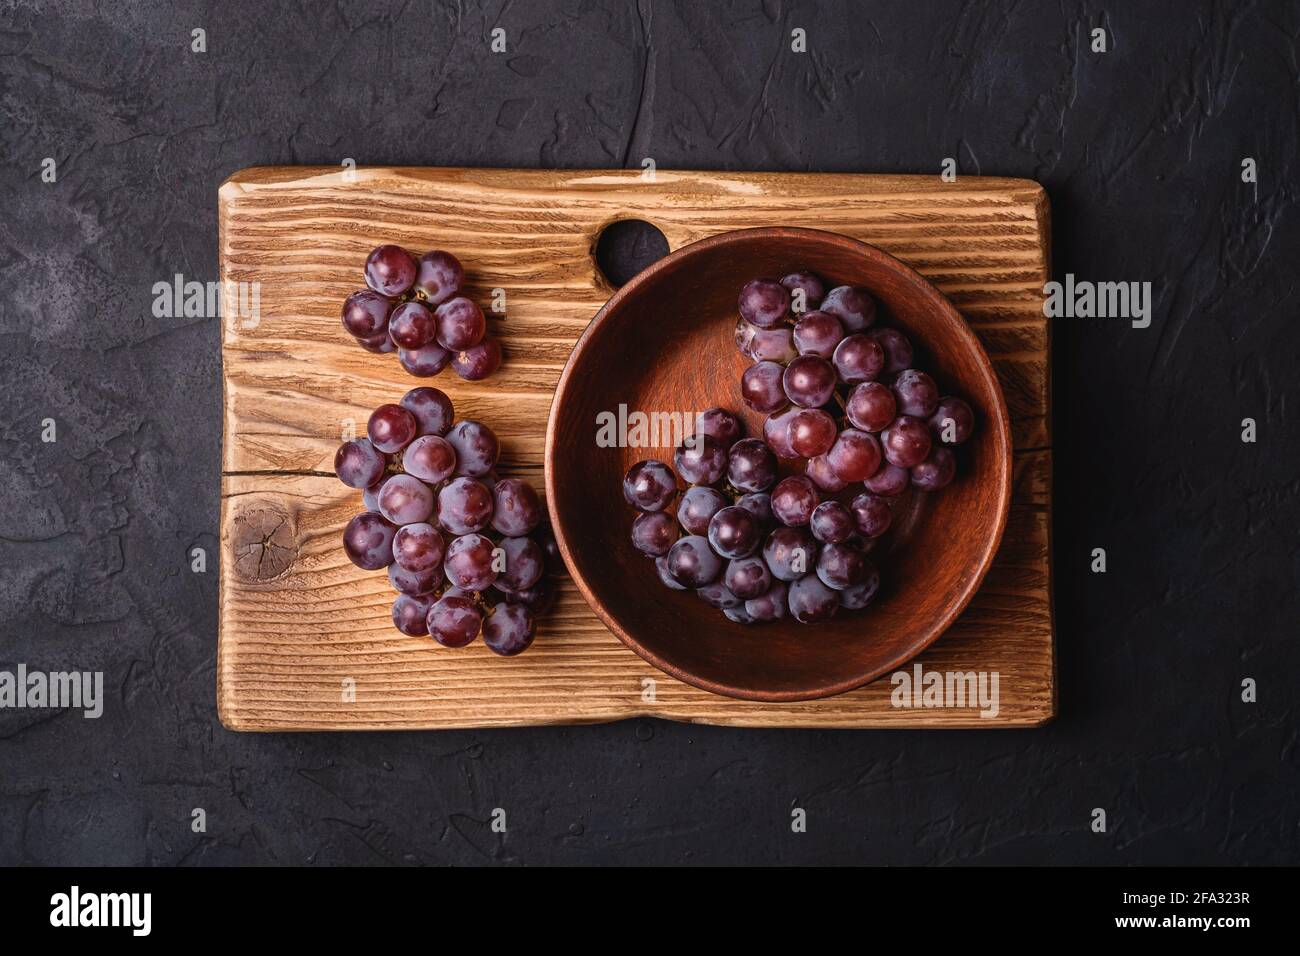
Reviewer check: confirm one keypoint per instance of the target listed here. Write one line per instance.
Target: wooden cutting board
(306, 641)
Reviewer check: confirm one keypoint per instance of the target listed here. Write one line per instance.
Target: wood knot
(262, 544)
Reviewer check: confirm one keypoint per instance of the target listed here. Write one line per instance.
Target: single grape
(477, 448)
(832, 522)
(359, 464)
(897, 349)
(812, 288)
(649, 485)
(916, 393)
(370, 495)
(438, 277)
(381, 344)
(411, 613)
(468, 564)
(411, 326)
(859, 358)
(793, 500)
(737, 614)
(464, 506)
(368, 540)
(906, 441)
(478, 361)
(701, 460)
(691, 562)
(430, 459)
(545, 539)
(855, 456)
(654, 532)
(764, 303)
(721, 424)
(759, 504)
(776, 432)
(771, 345)
(516, 509)
(509, 629)
(537, 598)
(770, 606)
(812, 432)
(751, 466)
(761, 388)
(937, 471)
(716, 595)
(790, 553)
(871, 406)
(818, 333)
(405, 499)
(747, 578)
(734, 532)
(841, 566)
(390, 428)
(889, 481)
(821, 474)
(698, 506)
(858, 596)
(454, 620)
(809, 381)
(871, 515)
(432, 409)
(418, 547)
(414, 582)
(811, 601)
(952, 421)
(524, 561)
(365, 314)
(390, 270)
(853, 306)
(460, 324)
(661, 567)
(424, 362)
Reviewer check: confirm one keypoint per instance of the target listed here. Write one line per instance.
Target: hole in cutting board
(626, 247)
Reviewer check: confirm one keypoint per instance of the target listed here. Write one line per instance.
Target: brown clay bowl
(664, 342)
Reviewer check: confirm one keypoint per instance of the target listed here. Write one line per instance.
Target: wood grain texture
(297, 618)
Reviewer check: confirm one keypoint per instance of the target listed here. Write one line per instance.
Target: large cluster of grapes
(840, 394)
(414, 307)
(426, 478)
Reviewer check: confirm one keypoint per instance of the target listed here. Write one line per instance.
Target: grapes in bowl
(873, 363)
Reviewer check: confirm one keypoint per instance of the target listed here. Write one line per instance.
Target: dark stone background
(1140, 149)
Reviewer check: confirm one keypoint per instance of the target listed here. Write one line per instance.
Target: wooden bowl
(664, 342)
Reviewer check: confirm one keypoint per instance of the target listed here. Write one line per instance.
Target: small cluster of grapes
(424, 474)
(414, 306)
(839, 394)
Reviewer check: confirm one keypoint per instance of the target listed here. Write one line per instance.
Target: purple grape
(859, 358)
(368, 541)
(390, 428)
(390, 270)
(414, 582)
(545, 539)
(411, 613)
(438, 277)
(405, 499)
(411, 326)
(460, 324)
(370, 495)
(509, 630)
(811, 601)
(654, 532)
(767, 345)
(661, 566)
(691, 562)
(737, 614)
(855, 456)
(952, 421)
(853, 306)
(716, 595)
(365, 314)
(776, 432)
(937, 471)
(478, 361)
(818, 333)
(424, 362)
(871, 407)
(701, 460)
(464, 506)
(770, 606)
(916, 393)
(841, 566)
(759, 504)
(859, 595)
(430, 458)
(418, 547)
(734, 532)
(809, 381)
(889, 481)
(469, 562)
(906, 442)
(812, 432)
(813, 289)
(524, 562)
(477, 448)
(537, 598)
(761, 388)
(790, 553)
(454, 620)
(649, 486)
(832, 522)
(516, 509)
(721, 424)
(747, 578)
(764, 303)
(698, 506)
(897, 349)
(359, 464)
(380, 344)
(793, 501)
(871, 515)
(821, 474)
(432, 409)
(751, 466)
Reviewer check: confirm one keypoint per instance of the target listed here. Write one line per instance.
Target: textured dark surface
(1140, 149)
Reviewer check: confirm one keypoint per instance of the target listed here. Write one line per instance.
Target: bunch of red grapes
(427, 478)
(840, 393)
(414, 306)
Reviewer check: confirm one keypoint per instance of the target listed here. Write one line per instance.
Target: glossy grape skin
(916, 393)
(855, 456)
(460, 324)
(734, 532)
(432, 409)
(841, 566)
(365, 314)
(524, 562)
(419, 547)
(897, 349)
(509, 630)
(821, 474)
(370, 495)
(368, 540)
(649, 486)
(764, 303)
(812, 601)
(858, 596)
(464, 506)
(812, 432)
(454, 620)
(759, 504)
(818, 333)
(955, 411)
(411, 612)
(516, 509)
(468, 563)
(773, 345)
(790, 553)
(411, 326)
(430, 458)
(701, 460)
(414, 582)
(359, 464)
(477, 448)
(424, 362)
(654, 532)
(720, 424)
(871, 515)
(698, 506)
(691, 562)
(776, 432)
(832, 522)
(405, 499)
(906, 442)
(380, 344)
(390, 428)
(814, 290)
(871, 406)
(858, 358)
(809, 381)
(853, 306)
(478, 361)
(889, 481)
(737, 614)
(661, 568)
(438, 277)
(751, 466)
(390, 270)
(761, 387)
(716, 595)
(771, 606)
(937, 471)
(794, 499)
(747, 578)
